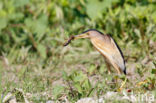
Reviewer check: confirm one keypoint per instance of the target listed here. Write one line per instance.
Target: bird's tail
(124, 71)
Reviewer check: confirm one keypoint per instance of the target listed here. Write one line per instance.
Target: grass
(33, 59)
(74, 72)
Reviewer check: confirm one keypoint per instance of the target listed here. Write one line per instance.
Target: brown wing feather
(109, 49)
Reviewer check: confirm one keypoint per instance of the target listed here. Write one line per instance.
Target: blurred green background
(32, 33)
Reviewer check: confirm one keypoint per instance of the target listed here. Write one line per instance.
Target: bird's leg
(142, 82)
(118, 70)
(108, 67)
(123, 84)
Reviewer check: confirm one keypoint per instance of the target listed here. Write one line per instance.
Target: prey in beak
(83, 35)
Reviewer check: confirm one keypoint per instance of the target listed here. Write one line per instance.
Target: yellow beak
(83, 35)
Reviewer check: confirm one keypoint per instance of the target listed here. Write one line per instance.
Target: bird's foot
(122, 85)
(142, 82)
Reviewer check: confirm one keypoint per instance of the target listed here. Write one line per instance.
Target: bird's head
(88, 34)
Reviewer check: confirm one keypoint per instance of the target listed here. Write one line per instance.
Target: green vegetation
(32, 57)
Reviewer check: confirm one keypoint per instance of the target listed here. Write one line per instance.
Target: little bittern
(106, 45)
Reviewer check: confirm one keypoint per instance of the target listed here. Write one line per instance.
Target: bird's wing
(107, 46)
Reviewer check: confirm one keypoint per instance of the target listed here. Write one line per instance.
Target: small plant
(78, 84)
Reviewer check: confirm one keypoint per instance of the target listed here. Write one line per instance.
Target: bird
(107, 46)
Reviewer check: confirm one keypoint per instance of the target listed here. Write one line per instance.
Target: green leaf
(57, 90)
(78, 87)
(16, 16)
(87, 84)
(37, 26)
(42, 50)
(3, 23)
(91, 69)
(154, 17)
(20, 3)
(79, 77)
(94, 9)
(64, 75)
(153, 71)
(29, 23)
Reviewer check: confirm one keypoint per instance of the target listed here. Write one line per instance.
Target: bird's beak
(83, 35)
